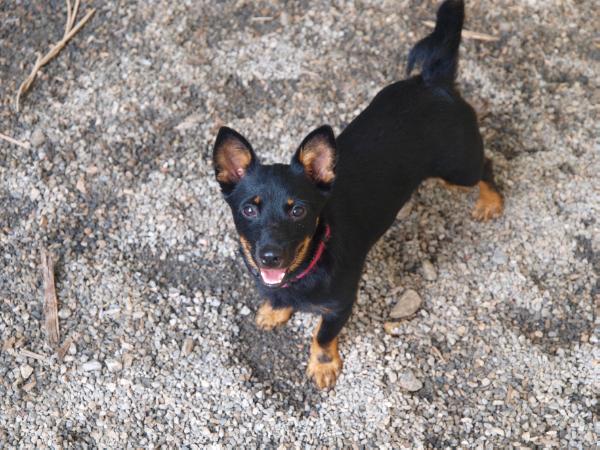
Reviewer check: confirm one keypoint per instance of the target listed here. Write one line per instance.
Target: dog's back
(412, 130)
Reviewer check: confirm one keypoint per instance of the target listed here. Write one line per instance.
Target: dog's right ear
(233, 157)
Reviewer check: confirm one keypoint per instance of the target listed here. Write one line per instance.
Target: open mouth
(272, 277)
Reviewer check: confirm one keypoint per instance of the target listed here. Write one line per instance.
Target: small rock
(409, 382)
(245, 311)
(187, 347)
(409, 304)
(429, 272)
(64, 313)
(26, 371)
(37, 138)
(80, 185)
(499, 257)
(91, 365)
(392, 377)
(392, 328)
(29, 386)
(34, 194)
(404, 211)
(127, 360)
(113, 365)
(284, 18)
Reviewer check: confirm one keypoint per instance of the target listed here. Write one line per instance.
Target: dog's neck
(318, 253)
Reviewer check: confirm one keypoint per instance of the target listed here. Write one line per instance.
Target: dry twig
(41, 61)
(64, 348)
(468, 34)
(14, 141)
(36, 356)
(50, 300)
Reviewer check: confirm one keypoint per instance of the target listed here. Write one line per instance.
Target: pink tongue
(272, 276)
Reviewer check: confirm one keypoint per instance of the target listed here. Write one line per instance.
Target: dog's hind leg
(490, 203)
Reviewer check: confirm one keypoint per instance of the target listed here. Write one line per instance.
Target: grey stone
(26, 371)
(429, 272)
(409, 382)
(91, 366)
(113, 365)
(408, 304)
(37, 138)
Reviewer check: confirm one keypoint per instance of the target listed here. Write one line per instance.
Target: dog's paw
(487, 210)
(324, 366)
(490, 203)
(268, 317)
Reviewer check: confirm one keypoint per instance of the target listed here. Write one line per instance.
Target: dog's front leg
(325, 364)
(268, 317)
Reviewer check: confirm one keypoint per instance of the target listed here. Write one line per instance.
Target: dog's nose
(270, 257)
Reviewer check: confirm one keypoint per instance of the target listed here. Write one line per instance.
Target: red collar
(315, 259)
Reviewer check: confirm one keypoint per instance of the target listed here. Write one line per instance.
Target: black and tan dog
(306, 228)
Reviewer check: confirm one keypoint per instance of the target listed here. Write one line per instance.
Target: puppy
(306, 228)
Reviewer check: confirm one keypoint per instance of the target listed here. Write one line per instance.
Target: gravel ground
(118, 185)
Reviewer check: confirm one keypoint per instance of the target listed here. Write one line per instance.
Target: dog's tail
(438, 53)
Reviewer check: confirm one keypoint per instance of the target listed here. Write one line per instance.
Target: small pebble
(187, 347)
(429, 272)
(392, 328)
(91, 366)
(37, 138)
(409, 304)
(499, 258)
(404, 211)
(34, 194)
(409, 382)
(26, 371)
(113, 365)
(64, 313)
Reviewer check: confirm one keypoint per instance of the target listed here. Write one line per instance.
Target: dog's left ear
(316, 156)
(233, 157)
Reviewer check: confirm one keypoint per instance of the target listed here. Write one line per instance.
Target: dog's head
(276, 208)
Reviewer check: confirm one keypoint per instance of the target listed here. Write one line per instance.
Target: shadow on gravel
(278, 360)
(504, 138)
(187, 276)
(555, 332)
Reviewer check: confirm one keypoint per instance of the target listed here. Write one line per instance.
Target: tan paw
(324, 365)
(268, 317)
(487, 211)
(489, 205)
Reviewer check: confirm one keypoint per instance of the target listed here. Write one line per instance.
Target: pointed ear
(316, 156)
(233, 157)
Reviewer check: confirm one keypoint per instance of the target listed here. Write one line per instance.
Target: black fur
(438, 53)
(412, 130)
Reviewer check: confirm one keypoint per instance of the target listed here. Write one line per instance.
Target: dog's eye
(298, 212)
(250, 211)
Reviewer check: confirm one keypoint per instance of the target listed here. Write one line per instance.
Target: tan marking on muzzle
(247, 249)
(301, 252)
